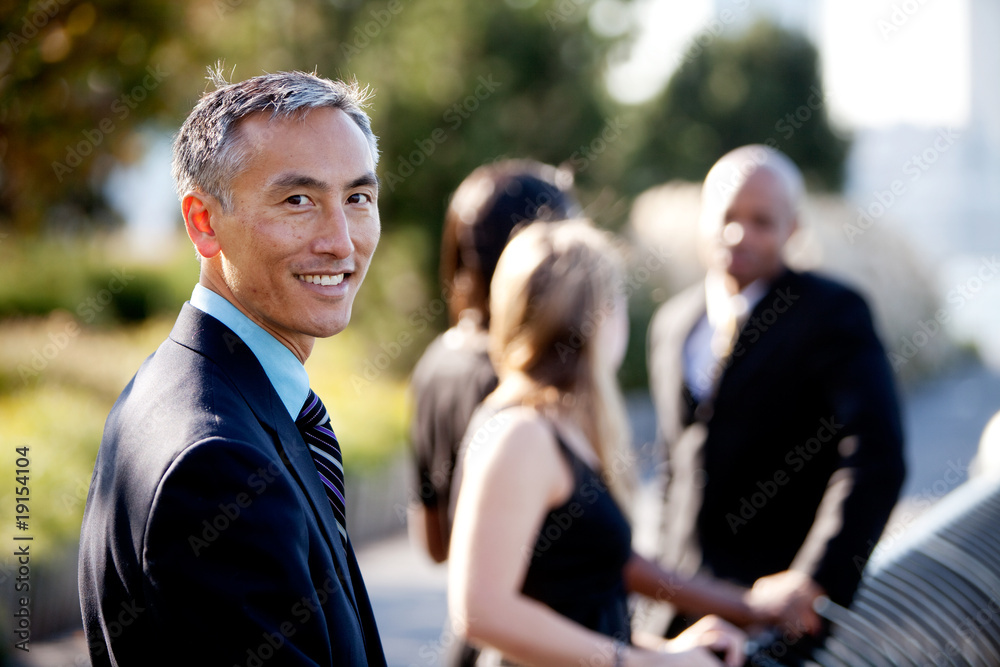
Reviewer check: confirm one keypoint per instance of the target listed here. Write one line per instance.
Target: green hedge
(87, 278)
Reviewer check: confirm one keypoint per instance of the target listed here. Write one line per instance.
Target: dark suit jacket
(207, 537)
(797, 459)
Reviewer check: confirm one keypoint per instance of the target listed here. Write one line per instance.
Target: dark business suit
(796, 461)
(207, 536)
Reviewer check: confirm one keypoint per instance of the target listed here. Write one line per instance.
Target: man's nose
(732, 233)
(335, 235)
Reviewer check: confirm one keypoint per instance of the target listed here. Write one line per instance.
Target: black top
(449, 382)
(578, 561)
(577, 567)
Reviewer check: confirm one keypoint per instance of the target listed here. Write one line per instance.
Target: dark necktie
(314, 424)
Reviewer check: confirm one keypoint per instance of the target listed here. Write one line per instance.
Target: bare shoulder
(517, 436)
(514, 454)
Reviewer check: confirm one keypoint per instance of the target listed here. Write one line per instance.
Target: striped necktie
(314, 424)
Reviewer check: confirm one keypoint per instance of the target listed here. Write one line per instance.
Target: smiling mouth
(321, 279)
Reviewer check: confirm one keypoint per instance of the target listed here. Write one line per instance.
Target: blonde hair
(554, 287)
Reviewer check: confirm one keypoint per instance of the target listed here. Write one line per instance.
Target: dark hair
(489, 205)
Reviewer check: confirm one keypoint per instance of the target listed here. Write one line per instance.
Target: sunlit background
(891, 108)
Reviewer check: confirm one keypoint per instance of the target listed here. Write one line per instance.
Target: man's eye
(298, 200)
(359, 198)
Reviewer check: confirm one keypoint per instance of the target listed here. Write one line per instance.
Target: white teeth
(324, 279)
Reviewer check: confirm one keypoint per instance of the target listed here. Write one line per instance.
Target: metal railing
(931, 598)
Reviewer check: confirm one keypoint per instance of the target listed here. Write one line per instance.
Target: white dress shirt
(705, 350)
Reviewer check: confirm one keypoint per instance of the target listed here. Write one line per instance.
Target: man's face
(304, 224)
(745, 237)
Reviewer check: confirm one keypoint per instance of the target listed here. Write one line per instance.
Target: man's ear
(199, 210)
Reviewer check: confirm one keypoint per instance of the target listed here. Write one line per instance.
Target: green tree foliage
(457, 84)
(759, 87)
(75, 77)
(460, 84)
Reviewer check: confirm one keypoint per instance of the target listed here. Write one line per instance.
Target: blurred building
(950, 202)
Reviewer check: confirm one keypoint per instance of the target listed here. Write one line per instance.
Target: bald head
(750, 203)
(733, 169)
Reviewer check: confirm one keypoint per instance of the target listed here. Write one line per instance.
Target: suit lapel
(742, 368)
(296, 455)
(738, 369)
(206, 335)
(672, 333)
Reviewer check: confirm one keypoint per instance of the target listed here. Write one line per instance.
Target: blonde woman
(541, 556)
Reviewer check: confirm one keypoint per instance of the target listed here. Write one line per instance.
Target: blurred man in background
(775, 403)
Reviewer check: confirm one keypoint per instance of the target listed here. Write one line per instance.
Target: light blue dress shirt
(287, 374)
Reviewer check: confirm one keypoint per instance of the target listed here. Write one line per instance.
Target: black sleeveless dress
(577, 566)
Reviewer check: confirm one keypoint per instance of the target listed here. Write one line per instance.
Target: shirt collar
(282, 367)
(720, 305)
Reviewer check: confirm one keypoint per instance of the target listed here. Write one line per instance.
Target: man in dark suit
(775, 403)
(212, 533)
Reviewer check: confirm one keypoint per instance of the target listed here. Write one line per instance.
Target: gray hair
(208, 152)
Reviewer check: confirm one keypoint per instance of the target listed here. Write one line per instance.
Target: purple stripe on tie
(333, 488)
(333, 474)
(327, 443)
(313, 423)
